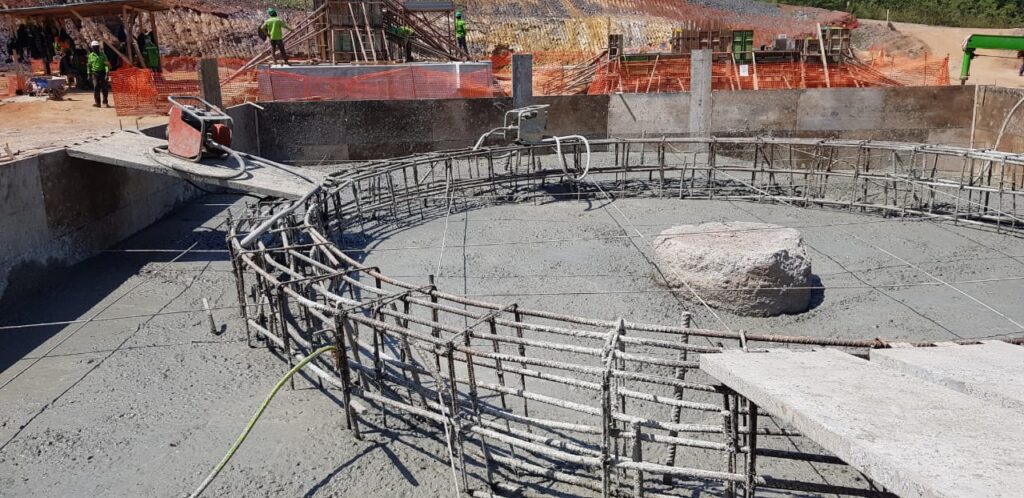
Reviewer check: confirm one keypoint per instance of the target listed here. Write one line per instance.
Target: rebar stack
(598, 406)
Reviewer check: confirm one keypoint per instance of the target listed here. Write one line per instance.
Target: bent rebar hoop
(595, 405)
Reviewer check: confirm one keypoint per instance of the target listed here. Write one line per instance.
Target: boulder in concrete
(752, 269)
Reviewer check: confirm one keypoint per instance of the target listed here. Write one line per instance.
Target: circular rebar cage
(589, 406)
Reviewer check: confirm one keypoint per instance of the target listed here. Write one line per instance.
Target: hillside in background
(227, 28)
(964, 13)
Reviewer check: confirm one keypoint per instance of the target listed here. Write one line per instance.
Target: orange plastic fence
(141, 91)
(554, 72)
(397, 83)
(673, 75)
(922, 71)
(39, 67)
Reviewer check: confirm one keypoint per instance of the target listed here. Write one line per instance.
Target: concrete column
(522, 80)
(700, 93)
(209, 82)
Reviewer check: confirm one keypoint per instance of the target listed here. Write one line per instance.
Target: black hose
(209, 173)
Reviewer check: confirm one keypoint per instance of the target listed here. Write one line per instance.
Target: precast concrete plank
(992, 371)
(916, 438)
(135, 151)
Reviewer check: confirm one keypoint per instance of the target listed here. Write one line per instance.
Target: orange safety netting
(673, 75)
(554, 72)
(39, 66)
(922, 71)
(142, 91)
(391, 83)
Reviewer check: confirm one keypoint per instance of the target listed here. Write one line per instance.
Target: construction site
(507, 249)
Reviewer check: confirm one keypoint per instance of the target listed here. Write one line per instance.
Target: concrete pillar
(209, 82)
(522, 80)
(700, 93)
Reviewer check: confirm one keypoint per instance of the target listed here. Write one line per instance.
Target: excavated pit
(151, 392)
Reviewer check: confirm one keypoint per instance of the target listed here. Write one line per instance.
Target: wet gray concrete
(147, 405)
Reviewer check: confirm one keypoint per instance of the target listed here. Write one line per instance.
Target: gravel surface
(740, 6)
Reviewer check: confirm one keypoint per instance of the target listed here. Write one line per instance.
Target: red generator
(197, 129)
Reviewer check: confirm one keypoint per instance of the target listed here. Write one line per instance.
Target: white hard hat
(94, 43)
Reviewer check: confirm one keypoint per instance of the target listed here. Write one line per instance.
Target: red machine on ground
(197, 129)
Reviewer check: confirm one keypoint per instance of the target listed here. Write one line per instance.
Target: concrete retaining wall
(994, 105)
(56, 211)
(927, 114)
(344, 130)
(331, 131)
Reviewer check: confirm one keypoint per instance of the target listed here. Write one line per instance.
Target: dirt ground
(146, 405)
(992, 67)
(31, 123)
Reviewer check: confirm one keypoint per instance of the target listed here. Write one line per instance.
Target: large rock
(725, 262)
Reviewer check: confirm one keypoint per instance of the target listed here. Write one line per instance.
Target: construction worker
(97, 67)
(1020, 55)
(152, 55)
(274, 29)
(406, 33)
(460, 32)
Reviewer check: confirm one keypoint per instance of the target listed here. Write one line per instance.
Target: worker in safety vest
(97, 67)
(406, 33)
(274, 29)
(152, 55)
(460, 32)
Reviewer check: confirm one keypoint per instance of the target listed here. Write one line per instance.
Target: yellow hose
(256, 416)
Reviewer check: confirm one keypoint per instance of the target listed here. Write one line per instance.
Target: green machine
(994, 42)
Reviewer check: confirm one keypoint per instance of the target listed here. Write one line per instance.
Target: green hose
(256, 416)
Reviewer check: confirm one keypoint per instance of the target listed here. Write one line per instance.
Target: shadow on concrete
(94, 284)
(817, 294)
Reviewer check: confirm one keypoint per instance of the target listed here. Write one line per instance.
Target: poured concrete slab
(992, 371)
(912, 436)
(135, 151)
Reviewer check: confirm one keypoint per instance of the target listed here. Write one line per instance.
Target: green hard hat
(271, 12)
(458, 13)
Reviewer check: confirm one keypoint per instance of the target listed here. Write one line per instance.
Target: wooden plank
(116, 51)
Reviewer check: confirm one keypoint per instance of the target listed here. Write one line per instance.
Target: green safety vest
(275, 28)
(97, 63)
(152, 55)
(460, 28)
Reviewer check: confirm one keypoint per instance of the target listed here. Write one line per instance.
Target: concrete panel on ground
(914, 437)
(992, 371)
(134, 151)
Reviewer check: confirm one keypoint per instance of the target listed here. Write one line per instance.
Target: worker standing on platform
(274, 29)
(406, 33)
(97, 67)
(460, 32)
